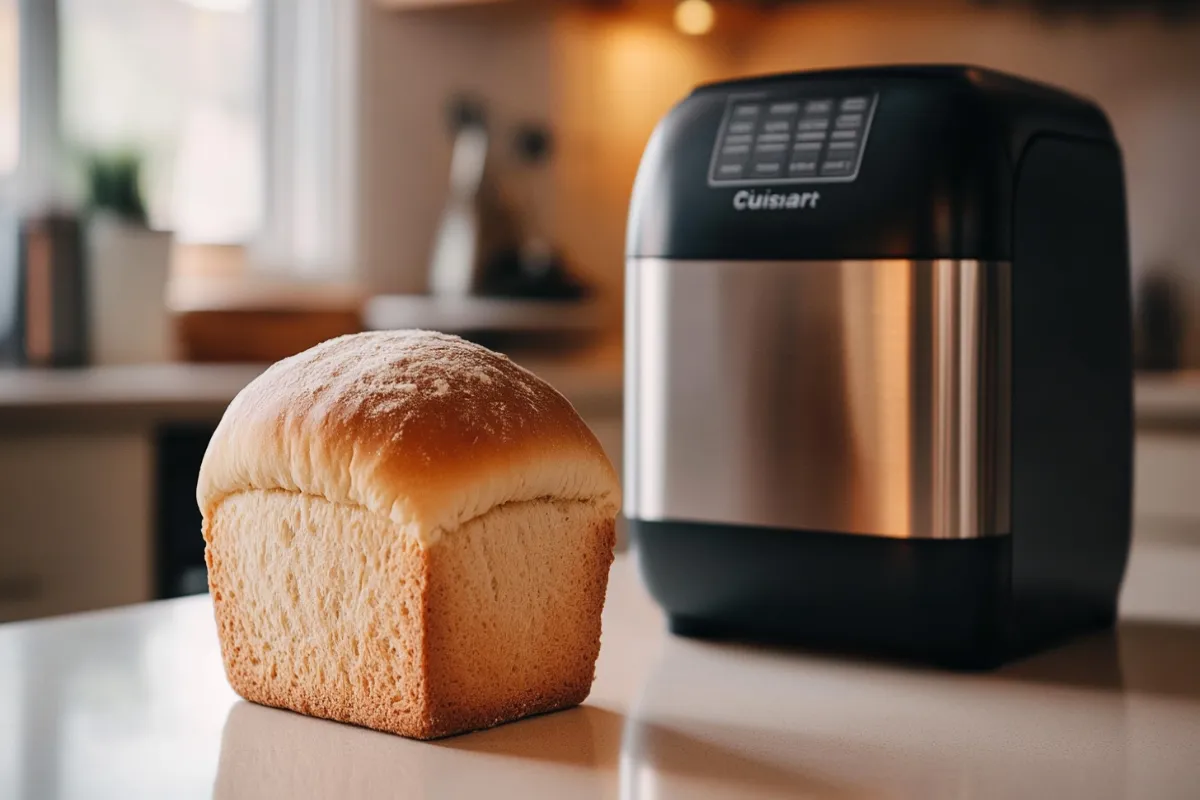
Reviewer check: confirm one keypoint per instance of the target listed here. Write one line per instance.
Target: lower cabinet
(1167, 476)
(75, 522)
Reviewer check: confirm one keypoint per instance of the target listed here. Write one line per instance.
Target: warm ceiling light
(695, 17)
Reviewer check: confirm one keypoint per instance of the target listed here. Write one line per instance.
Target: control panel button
(770, 152)
(835, 167)
(803, 169)
(779, 137)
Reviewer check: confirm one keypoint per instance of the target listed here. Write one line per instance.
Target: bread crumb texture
(482, 606)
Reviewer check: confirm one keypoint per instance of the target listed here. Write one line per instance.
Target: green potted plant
(128, 264)
(114, 186)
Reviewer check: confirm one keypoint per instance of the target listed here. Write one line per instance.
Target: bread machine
(878, 381)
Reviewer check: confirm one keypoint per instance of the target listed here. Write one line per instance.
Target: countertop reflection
(132, 703)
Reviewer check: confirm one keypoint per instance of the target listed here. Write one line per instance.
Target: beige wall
(412, 62)
(615, 76)
(605, 77)
(600, 79)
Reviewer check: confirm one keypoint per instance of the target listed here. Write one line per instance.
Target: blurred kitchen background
(190, 189)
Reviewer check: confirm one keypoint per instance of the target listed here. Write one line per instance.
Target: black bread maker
(878, 380)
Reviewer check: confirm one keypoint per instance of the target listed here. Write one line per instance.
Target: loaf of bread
(408, 532)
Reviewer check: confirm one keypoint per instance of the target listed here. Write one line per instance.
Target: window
(10, 88)
(178, 82)
(244, 113)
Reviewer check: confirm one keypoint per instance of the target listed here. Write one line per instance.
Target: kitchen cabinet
(75, 525)
(1167, 465)
(1167, 475)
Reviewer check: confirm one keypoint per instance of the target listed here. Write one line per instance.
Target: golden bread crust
(426, 429)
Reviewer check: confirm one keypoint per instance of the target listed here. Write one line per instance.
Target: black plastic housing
(961, 163)
(936, 180)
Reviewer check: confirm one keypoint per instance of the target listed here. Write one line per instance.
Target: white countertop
(166, 392)
(148, 385)
(133, 703)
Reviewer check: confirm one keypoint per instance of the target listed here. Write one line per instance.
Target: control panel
(783, 139)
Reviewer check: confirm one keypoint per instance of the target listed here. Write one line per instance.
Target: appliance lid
(889, 162)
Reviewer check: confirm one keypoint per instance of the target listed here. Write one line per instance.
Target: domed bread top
(426, 429)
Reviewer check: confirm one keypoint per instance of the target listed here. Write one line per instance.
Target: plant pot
(128, 266)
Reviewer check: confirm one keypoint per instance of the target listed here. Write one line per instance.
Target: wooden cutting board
(258, 336)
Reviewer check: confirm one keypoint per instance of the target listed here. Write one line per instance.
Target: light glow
(695, 17)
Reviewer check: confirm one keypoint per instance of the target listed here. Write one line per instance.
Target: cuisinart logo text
(747, 200)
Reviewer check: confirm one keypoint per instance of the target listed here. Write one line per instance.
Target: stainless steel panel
(865, 397)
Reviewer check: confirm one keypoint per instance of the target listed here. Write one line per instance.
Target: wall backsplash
(604, 78)
(411, 64)
(615, 76)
